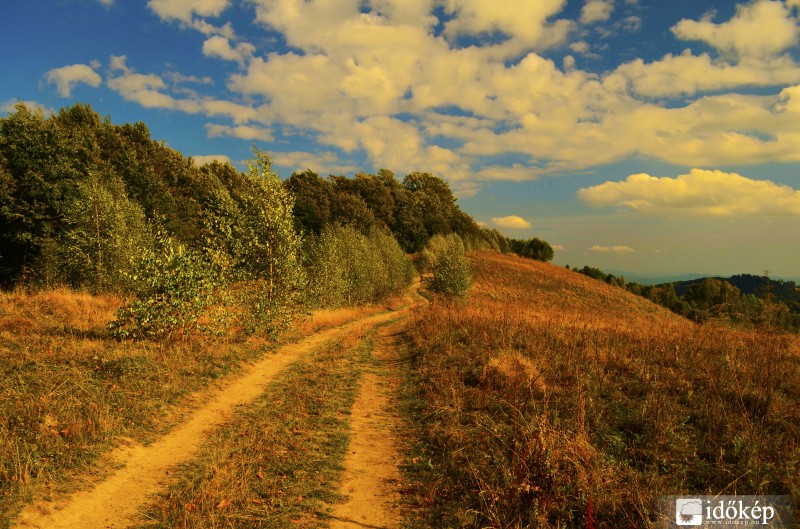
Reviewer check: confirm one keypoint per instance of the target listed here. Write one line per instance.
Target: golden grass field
(542, 399)
(549, 399)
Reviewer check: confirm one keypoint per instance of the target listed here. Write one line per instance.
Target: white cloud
(596, 11)
(107, 3)
(760, 28)
(67, 77)
(612, 249)
(688, 74)
(150, 91)
(202, 160)
(558, 247)
(701, 193)
(511, 221)
(580, 46)
(10, 106)
(218, 46)
(319, 162)
(184, 10)
(379, 78)
(243, 132)
(523, 20)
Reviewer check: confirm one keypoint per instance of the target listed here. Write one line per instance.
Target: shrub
(173, 285)
(447, 261)
(346, 267)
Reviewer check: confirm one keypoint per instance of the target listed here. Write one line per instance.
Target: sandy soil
(116, 501)
(371, 476)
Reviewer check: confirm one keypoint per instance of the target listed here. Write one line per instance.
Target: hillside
(549, 399)
(785, 291)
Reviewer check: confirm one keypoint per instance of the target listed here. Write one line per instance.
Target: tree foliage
(347, 267)
(91, 204)
(532, 249)
(446, 260)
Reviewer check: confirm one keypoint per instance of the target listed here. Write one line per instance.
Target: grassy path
(118, 500)
(371, 475)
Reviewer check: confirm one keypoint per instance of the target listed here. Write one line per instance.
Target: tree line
(716, 298)
(90, 204)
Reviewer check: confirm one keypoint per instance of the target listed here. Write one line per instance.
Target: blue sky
(643, 135)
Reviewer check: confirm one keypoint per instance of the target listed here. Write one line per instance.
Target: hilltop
(550, 399)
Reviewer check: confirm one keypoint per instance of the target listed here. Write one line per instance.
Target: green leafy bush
(446, 259)
(346, 267)
(173, 285)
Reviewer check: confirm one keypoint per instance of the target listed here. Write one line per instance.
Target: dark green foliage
(416, 210)
(532, 249)
(56, 170)
(313, 196)
(714, 298)
(347, 267)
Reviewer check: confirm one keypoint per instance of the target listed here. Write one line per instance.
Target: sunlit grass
(277, 462)
(69, 393)
(549, 398)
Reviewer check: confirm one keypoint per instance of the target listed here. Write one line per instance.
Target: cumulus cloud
(218, 46)
(701, 193)
(511, 221)
(596, 11)
(319, 162)
(380, 78)
(10, 106)
(758, 29)
(151, 91)
(243, 132)
(521, 19)
(202, 160)
(184, 10)
(612, 249)
(688, 74)
(67, 77)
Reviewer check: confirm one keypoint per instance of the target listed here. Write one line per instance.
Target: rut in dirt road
(371, 475)
(116, 502)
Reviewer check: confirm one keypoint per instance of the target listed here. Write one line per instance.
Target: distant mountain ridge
(663, 279)
(782, 290)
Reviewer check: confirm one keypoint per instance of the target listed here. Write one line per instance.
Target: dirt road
(116, 501)
(371, 473)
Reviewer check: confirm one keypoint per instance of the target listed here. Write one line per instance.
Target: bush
(446, 259)
(173, 285)
(346, 267)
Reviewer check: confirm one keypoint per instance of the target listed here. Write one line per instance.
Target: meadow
(548, 399)
(71, 393)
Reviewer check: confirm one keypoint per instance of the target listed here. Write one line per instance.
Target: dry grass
(277, 462)
(68, 392)
(548, 395)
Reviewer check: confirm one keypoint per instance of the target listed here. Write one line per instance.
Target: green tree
(313, 196)
(270, 251)
(173, 286)
(102, 231)
(533, 249)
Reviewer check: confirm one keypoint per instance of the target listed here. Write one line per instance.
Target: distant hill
(782, 290)
(654, 279)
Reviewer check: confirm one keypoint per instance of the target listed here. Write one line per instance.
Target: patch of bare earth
(144, 470)
(371, 476)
